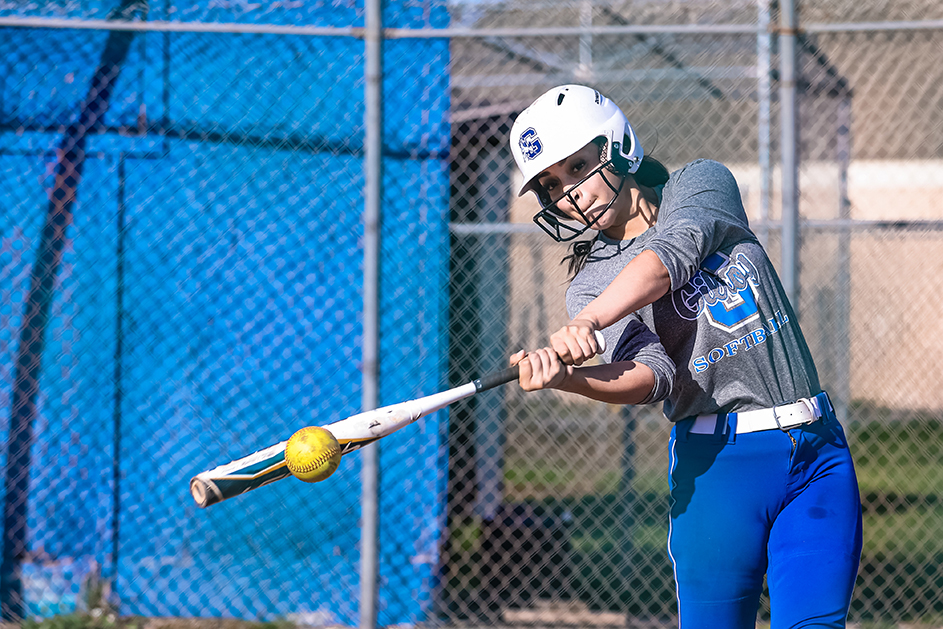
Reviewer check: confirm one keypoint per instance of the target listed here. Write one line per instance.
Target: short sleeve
(639, 344)
(701, 213)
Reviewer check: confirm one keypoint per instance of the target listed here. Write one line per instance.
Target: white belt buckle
(776, 418)
(814, 414)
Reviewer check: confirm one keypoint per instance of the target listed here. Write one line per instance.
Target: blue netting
(209, 303)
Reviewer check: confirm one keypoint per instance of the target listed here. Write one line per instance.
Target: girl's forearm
(643, 281)
(616, 383)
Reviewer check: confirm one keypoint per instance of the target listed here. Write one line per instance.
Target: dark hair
(650, 173)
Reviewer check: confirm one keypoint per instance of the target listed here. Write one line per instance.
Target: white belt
(805, 411)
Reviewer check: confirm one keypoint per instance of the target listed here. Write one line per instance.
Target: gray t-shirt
(725, 338)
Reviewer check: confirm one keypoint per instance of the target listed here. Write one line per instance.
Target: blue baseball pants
(745, 505)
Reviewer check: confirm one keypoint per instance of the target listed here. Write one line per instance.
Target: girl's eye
(578, 166)
(550, 185)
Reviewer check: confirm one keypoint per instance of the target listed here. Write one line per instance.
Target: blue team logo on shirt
(723, 292)
(530, 144)
(724, 295)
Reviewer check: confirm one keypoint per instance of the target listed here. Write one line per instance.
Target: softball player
(761, 479)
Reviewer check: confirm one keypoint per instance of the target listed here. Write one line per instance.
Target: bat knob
(600, 342)
(204, 493)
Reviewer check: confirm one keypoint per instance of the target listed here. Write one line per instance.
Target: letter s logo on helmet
(530, 144)
(564, 120)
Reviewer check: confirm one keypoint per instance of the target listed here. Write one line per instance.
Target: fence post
(373, 145)
(842, 333)
(788, 101)
(763, 88)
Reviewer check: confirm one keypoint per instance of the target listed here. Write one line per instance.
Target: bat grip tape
(497, 378)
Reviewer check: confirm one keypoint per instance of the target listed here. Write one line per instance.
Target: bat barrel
(268, 465)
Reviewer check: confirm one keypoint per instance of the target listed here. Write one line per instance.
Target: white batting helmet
(564, 120)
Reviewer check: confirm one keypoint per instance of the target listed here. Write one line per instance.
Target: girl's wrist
(586, 319)
(563, 385)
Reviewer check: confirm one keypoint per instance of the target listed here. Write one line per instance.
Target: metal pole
(493, 313)
(473, 33)
(586, 41)
(763, 89)
(392, 33)
(790, 163)
(373, 144)
(842, 333)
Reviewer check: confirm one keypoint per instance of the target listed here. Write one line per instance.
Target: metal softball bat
(268, 465)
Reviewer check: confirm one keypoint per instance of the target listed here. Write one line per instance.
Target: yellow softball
(312, 454)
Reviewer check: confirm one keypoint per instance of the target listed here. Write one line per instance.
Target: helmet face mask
(557, 125)
(562, 227)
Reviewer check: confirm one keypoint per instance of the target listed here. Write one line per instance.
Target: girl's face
(586, 202)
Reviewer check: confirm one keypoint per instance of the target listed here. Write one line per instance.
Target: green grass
(72, 621)
(898, 456)
(913, 535)
(899, 461)
(645, 537)
(901, 479)
(543, 477)
(466, 536)
(895, 453)
(539, 479)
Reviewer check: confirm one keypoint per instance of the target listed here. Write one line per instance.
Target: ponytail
(651, 173)
(576, 259)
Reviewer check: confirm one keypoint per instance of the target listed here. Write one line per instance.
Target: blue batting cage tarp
(210, 302)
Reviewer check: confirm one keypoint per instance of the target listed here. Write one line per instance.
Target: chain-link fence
(182, 282)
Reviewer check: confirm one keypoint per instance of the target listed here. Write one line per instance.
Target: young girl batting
(761, 478)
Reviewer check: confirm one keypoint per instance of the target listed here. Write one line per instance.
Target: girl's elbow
(663, 379)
